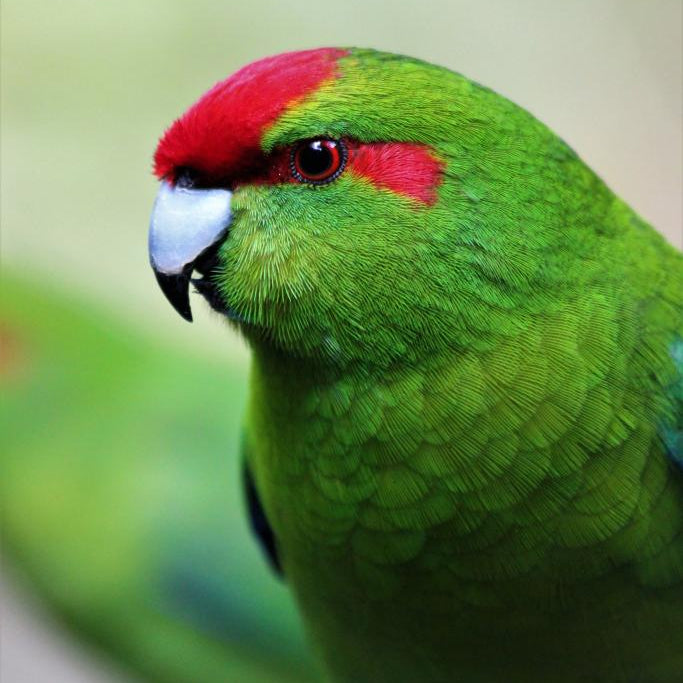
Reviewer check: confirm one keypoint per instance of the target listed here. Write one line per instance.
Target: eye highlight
(318, 162)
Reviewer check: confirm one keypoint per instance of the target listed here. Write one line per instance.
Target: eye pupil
(318, 161)
(315, 158)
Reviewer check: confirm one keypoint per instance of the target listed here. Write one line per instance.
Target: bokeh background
(88, 87)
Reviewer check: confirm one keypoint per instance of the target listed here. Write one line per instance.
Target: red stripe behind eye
(406, 168)
(403, 167)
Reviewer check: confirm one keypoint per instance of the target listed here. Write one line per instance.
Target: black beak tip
(176, 289)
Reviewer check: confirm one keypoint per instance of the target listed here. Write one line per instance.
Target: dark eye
(318, 161)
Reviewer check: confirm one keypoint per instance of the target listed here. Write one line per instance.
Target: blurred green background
(88, 87)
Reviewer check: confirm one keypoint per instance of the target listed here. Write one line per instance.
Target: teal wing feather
(673, 433)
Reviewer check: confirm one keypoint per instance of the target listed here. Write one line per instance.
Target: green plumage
(457, 411)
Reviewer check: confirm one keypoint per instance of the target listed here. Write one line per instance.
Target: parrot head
(340, 204)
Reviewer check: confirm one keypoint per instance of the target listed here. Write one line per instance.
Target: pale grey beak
(185, 223)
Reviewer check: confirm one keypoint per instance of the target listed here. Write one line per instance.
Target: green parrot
(463, 433)
(121, 500)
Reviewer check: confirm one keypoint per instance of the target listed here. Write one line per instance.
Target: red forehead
(221, 133)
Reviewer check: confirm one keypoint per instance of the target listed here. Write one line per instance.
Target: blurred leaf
(121, 495)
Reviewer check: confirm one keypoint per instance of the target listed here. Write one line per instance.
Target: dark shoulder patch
(259, 522)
